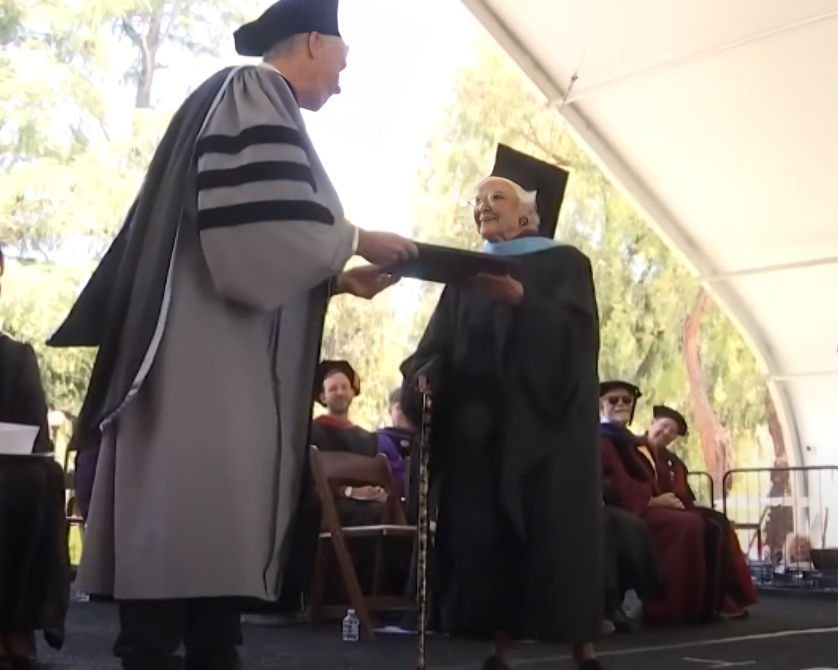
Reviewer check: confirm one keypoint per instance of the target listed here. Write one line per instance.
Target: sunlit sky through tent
(402, 61)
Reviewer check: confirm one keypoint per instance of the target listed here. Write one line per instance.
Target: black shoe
(138, 662)
(590, 664)
(495, 663)
(24, 663)
(224, 661)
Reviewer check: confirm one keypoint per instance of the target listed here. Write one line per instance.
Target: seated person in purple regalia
(396, 440)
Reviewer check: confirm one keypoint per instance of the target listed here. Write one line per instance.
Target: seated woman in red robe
(685, 552)
(736, 587)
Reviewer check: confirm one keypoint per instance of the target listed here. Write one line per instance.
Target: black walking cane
(424, 526)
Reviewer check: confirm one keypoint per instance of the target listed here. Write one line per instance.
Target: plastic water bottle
(350, 627)
(77, 596)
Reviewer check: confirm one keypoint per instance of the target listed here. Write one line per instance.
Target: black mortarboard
(549, 182)
(283, 19)
(327, 368)
(664, 412)
(612, 384)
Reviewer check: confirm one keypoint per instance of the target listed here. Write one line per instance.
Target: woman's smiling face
(497, 210)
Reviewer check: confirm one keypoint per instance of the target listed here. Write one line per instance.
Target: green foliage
(68, 174)
(644, 292)
(69, 168)
(35, 299)
(371, 336)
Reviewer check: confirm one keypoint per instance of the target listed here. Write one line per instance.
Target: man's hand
(500, 288)
(667, 500)
(370, 493)
(384, 249)
(365, 281)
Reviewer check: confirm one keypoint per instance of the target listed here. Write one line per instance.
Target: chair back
(335, 470)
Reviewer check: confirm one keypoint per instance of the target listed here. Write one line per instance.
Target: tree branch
(649, 358)
(132, 34)
(532, 139)
(177, 8)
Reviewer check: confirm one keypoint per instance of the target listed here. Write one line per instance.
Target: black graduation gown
(34, 559)
(328, 435)
(514, 452)
(353, 440)
(631, 561)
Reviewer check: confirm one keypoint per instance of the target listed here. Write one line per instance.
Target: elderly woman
(512, 364)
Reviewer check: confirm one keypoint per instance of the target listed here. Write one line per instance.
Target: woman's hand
(667, 500)
(500, 288)
(365, 281)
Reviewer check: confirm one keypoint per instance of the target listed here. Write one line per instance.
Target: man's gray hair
(284, 47)
(529, 207)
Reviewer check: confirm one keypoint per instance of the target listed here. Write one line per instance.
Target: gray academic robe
(201, 461)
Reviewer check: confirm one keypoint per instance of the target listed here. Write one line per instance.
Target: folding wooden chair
(333, 471)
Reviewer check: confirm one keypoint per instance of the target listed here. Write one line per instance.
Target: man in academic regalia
(399, 437)
(737, 590)
(338, 385)
(34, 560)
(399, 433)
(632, 563)
(208, 311)
(680, 539)
(512, 364)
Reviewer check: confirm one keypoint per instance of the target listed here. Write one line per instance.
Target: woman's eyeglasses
(615, 400)
(478, 201)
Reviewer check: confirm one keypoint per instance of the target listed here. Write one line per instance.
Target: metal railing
(781, 516)
(701, 484)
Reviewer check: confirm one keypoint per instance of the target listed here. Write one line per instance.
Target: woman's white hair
(529, 207)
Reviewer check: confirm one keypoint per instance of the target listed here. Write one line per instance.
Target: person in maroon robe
(736, 586)
(631, 558)
(679, 537)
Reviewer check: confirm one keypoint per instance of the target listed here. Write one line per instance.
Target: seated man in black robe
(34, 560)
(336, 386)
(512, 364)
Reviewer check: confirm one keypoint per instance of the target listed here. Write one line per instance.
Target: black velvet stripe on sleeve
(235, 144)
(267, 211)
(256, 172)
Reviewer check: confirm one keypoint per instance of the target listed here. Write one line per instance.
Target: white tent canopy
(719, 118)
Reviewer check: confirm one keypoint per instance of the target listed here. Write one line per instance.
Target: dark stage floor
(781, 634)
